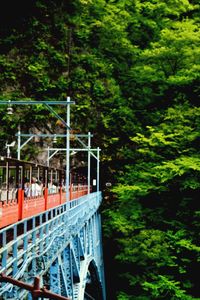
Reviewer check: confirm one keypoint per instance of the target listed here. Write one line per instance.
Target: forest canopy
(133, 69)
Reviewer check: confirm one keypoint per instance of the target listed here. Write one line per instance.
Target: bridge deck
(67, 234)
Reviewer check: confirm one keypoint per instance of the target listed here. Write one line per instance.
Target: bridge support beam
(64, 249)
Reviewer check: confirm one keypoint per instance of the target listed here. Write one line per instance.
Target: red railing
(8, 212)
(77, 191)
(13, 210)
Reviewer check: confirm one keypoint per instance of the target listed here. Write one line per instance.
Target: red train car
(27, 189)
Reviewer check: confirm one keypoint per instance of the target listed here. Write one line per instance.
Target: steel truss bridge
(62, 246)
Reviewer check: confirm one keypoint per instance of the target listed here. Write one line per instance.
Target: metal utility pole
(98, 161)
(19, 143)
(89, 160)
(68, 150)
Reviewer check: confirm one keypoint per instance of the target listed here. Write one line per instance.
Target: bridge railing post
(34, 289)
(20, 204)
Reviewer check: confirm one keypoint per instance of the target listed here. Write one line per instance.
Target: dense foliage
(133, 69)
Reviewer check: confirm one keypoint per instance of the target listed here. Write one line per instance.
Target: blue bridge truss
(62, 246)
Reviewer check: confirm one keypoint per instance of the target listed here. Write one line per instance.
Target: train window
(55, 176)
(41, 176)
(20, 177)
(12, 177)
(36, 173)
(28, 173)
(8, 180)
(1, 176)
(50, 176)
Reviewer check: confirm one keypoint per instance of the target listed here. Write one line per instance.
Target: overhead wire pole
(68, 150)
(48, 154)
(75, 149)
(89, 160)
(89, 150)
(67, 124)
(50, 135)
(19, 143)
(98, 156)
(31, 135)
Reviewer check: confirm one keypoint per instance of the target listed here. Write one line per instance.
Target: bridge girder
(65, 251)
